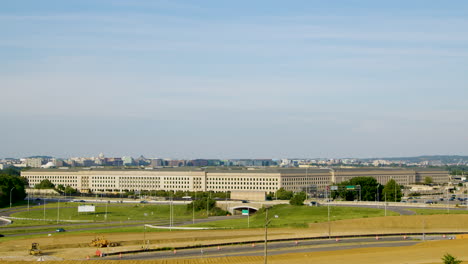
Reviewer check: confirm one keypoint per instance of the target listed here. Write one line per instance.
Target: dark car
(1, 235)
(59, 230)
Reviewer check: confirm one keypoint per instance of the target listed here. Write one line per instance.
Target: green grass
(141, 212)
(297, 216)
(436, 211)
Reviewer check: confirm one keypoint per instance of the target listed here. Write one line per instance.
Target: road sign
(350, 187)
(334, 188)
(245, 212)
(86, 208)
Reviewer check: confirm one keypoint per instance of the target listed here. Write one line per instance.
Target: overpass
(236, 207)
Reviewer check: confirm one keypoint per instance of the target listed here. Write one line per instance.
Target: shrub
(449, 259)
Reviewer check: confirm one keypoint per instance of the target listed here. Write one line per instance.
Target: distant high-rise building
(128, 161)
(34, 162)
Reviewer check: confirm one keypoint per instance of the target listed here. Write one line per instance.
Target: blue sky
(232, 79)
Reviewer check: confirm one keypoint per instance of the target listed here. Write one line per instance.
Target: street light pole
(267, 222)
(193, 210)
(11, 192)
(266, 237)
(329, 224)
(58, 210)
(378, 198)
(44, 208)
(385, 204)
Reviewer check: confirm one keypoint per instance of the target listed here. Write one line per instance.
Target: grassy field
(69, 247)
(298, 216)
(436, 211)
(143, 212)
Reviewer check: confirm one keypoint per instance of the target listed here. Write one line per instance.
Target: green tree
(69, 190)
(45, 184)
(298, 198)
(392, 191)
(60, 187)
(201, 204)
(14, 186)
(282, 194)
(449, 259)
(428, 180)
(369, 187)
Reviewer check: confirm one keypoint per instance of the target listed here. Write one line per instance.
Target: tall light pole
(328, 209)
(58, 210)
(378, 191)
(267, 222)
(11, 191)
(44, 208)
(448, 210)
(385, 204)
(193, 207)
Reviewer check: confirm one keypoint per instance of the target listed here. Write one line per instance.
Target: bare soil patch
(69, 247)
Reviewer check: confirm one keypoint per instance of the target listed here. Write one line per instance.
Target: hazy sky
(233, 79)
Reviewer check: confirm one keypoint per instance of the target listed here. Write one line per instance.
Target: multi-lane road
(294, 246)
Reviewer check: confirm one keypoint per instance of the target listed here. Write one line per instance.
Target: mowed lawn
(141, 212)
(297, 216)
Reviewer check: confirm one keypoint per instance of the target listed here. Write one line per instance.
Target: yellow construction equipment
(102, 242)
(35, 249)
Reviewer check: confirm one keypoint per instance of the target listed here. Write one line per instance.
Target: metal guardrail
(281, 240)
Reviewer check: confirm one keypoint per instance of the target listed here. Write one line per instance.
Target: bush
(298, 199)
(449, 259)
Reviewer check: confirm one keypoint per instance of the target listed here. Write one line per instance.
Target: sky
(233, 79)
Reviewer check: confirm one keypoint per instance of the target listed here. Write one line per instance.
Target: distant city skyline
(243, 79)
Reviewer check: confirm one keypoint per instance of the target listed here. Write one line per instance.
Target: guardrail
(281, 240)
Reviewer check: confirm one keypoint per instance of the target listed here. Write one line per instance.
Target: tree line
(11, 185)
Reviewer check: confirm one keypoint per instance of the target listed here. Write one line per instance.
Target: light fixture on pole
(11, 191)
(267, 222)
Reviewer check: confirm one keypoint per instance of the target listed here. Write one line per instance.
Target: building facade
(222, 179)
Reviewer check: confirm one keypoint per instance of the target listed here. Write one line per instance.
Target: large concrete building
(222, 179)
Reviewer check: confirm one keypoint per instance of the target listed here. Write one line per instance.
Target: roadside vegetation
(436, 211)
(297, 216)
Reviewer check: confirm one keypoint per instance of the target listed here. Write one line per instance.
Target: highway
(275, 248)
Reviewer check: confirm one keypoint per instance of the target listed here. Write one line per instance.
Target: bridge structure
(236, 207)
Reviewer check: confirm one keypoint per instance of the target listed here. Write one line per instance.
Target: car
(37, 199)
(59, 230)
(313, 203)
(143, 202)
(430, 202)
(2, 235)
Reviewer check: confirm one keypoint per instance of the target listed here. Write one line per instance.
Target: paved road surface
(275, 248)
